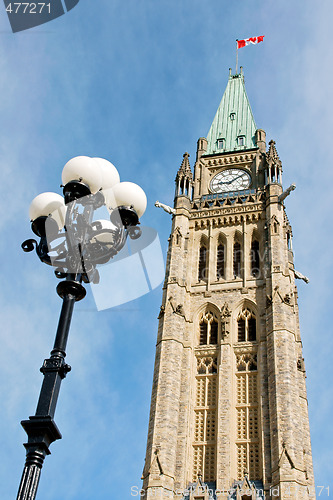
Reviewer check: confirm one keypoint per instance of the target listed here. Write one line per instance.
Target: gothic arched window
(241, 329)
(247, 419)
(237, 259)
(246, 326)
(220, 261)
(203, 332)
(255, 259)
(213, 332)
(202, 268)
(205, 419)
(208, 328)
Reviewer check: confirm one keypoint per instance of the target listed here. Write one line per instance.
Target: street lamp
(74, 244)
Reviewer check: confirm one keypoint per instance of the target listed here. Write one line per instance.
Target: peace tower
(229, 415)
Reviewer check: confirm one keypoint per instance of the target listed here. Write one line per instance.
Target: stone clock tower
(229, 415)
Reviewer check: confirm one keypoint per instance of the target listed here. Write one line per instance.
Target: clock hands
(242, 175)
(232, 180)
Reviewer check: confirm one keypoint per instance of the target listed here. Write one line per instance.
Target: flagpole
(236, 56)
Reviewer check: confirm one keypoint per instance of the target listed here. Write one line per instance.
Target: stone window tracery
(246, 326)
(208, 328)
(205, 422)
(247, 416)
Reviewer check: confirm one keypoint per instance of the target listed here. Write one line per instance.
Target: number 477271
(28, 8)
(322, 489)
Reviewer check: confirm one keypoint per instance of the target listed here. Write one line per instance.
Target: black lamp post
(73, 243)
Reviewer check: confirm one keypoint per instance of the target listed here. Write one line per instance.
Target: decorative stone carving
(301, 365)
(177, 236)
(225, 321)
(224, 331)
(185, 168)
(206, 365)
(180, 310)
(209, 351)
(177, 309)
(230, 211)
(300, 276)
(285, 455)
(287, 192)
(246, 361)
(155, 469)
(225, 312)
(274, 225)
(162, 311)
(287, 299)
(166, 208)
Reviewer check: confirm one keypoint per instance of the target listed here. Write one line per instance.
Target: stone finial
(185, 168)
(272, 154)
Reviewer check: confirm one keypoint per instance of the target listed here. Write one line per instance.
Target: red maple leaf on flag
(247, 41)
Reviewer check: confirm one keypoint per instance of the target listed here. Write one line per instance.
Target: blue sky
(138, 83)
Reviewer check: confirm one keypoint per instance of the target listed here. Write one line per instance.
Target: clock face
(232, 179)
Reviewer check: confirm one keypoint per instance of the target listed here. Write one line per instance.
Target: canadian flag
(247, 41)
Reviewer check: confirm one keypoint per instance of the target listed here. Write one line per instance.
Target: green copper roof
(233, 128)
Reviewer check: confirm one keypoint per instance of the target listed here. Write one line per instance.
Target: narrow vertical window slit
(237, 259)
(220, 262)
(202, 271)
